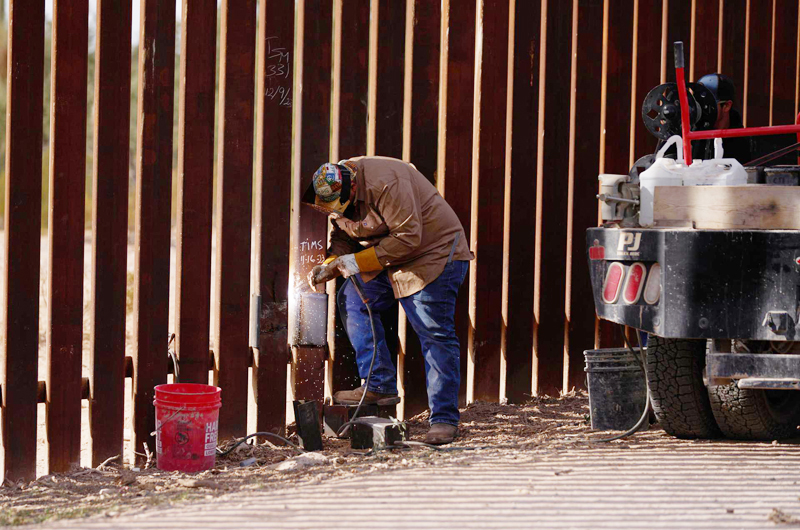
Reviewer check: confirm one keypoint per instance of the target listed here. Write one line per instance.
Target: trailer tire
(679, 396)
(755, 414)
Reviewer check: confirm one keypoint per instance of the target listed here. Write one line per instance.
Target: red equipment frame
(689, 135)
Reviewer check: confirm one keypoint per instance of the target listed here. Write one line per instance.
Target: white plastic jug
(719, 171)
(663, 172)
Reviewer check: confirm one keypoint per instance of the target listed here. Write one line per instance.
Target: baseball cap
(720, 85)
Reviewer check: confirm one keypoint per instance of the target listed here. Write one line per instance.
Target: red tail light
(613, 283)
(634, 283)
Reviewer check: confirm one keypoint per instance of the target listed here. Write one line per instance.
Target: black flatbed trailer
(714, 284)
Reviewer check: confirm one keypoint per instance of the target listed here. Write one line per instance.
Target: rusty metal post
(112, 96)
(195, 188)
(66, 232)
(551, 198)
(679, 26)
(153, 201)
(783, 87)
(618, 70)
(389, 95)
(521, 224)
(755, 104)
(423, 153)
(20, 296)
(352, 135)
(234, 210)
(488, 192)
(273, 208)
(648, 66)
(312, 135)
(582, 212)
(706, 37)
(734, 37)
(454, 176)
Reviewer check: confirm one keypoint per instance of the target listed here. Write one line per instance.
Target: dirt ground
(541, 424)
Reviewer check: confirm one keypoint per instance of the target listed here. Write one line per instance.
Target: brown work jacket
(397, 210)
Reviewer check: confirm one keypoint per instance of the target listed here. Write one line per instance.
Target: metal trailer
(721, 309)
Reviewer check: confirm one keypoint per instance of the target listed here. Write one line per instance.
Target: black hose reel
(661, 110)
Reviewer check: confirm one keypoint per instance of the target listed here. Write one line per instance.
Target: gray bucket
(617, 388)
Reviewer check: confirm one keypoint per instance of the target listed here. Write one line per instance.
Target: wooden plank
(454, 178)
(153, 202)
(518, 343)
(389, 95)
(273, 189)
(423, 147)
(112, 89)
(195, 188)
(489, 163)
(314, 149)
(352, 135)
(65, 230)
(234, 200)
(705, 39)
(582, 212)
(759, 53)
(647, 73)
(784, 69)
(734, 27)
(22, 222)
(551, 200)
(618, 82)
(729, 207)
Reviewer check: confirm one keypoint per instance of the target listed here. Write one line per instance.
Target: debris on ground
(302, 461)
(544, 424)
(780, 517)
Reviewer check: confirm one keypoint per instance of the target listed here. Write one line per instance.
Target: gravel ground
(539, 425)
(534, 465)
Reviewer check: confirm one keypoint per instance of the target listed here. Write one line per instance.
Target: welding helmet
(720, 85)
(329, 186)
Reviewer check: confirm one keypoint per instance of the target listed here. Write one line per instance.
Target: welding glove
(340, 266)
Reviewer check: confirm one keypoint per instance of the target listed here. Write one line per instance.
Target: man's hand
(322, 273)
(342, 266)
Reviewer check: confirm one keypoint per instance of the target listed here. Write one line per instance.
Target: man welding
(398, 238)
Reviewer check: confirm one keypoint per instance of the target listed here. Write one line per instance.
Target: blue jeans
(431, 314)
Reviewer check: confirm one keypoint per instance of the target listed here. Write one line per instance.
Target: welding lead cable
(646, 414)
(239, 442)
(343, 429)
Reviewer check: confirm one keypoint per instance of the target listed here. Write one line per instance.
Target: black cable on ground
(263, 435)
(646, 414)
(343, 429)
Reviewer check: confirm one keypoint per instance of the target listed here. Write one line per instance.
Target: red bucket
(187, 422)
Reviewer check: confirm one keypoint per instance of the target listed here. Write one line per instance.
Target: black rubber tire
(755, 414)
(677, 392)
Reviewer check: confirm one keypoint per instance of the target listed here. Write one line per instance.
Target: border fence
(511, 107)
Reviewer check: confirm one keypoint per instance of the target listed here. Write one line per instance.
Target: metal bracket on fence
(255, 310)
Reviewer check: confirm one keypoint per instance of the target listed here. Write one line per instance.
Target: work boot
(353, 397)
(441, 433)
